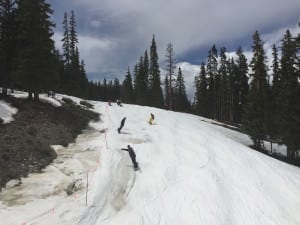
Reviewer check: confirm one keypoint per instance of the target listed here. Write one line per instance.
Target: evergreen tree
(170, 67)
(8, 42)
(289, 98)
(274, 117)
(116, 89)
(36, 54)
(223, 86)
(66, 41)
(201, 101)
(141, 81)
(83, 80)
(181, 102)
(128, 92)
(155, 91)
(73, 34)
(212, 72)
(242, 84)
(257, 103)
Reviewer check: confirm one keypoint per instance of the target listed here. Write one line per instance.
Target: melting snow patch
(7, 111)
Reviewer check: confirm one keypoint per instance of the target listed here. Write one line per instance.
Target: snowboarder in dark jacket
(122, 125)
(132, 155)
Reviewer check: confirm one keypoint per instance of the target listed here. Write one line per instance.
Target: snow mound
(7, 112)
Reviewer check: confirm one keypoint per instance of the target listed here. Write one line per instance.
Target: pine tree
(181, 102)
(155, 91)
(73, 34)
(141, 82)
(201, 101)
(274, 117)
(257, 103)
(288, 100)
(242, 84)
(66, 41)
(116, 89)
(127, 89)
(35, 63)
(8, 43)
(223, 87)
(212, 72)
(170, 67)
(83, 80)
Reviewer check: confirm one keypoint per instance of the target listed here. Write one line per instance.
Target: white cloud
(116, 32)
(192, 23)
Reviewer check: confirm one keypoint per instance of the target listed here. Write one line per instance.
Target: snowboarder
(109, 102)
(132, 155)
(151, 119)
(122, 125)
(119, 102)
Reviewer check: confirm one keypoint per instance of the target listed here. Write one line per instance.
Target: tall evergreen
(257, 102)
(66, 41)
(155, 91)
(8, 27)
(141, 84)
(127, 89)
(274, 115)
(212, 65)
(223, 91)
(289, 98)
(201, 100)
(73, 34)
(181, 102)
(34, 69)
(170, 67)
(242, 84)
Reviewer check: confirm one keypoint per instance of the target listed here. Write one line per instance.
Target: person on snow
(121, 125)
(151, 119)
(132, 155)
(109, 102)
(119, 102)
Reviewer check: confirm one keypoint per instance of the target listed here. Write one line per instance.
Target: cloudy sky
(113, 34)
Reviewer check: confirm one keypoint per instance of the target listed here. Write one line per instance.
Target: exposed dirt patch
(25, 142)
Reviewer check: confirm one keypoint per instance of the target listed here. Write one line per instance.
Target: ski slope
(192, 173)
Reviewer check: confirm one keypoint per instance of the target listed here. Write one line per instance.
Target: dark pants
(135, 164)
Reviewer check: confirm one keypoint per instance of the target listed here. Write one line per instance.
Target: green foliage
(256, 111)
(181, 102)
(35, 63)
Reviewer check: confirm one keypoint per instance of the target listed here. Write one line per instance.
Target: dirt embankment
(25, 142)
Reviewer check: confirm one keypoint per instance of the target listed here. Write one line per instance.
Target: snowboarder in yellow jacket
(151, 119)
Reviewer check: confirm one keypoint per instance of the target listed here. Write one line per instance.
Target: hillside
(192, 172)
(25, 141)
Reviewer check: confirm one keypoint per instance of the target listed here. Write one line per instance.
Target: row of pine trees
(29, 60)
(265, 101)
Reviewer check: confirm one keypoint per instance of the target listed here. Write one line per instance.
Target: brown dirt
(25, 142)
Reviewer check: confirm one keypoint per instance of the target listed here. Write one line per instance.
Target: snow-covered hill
(192, 172)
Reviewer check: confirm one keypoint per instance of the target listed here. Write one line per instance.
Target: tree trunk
(290, 152)
(271, 146)
(36, 96)
(30, 95)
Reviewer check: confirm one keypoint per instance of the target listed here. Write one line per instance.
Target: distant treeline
(264, 101)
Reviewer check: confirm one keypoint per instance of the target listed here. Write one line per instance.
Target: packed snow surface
(192, 173)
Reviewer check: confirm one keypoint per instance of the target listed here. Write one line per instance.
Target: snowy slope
(193, 172)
